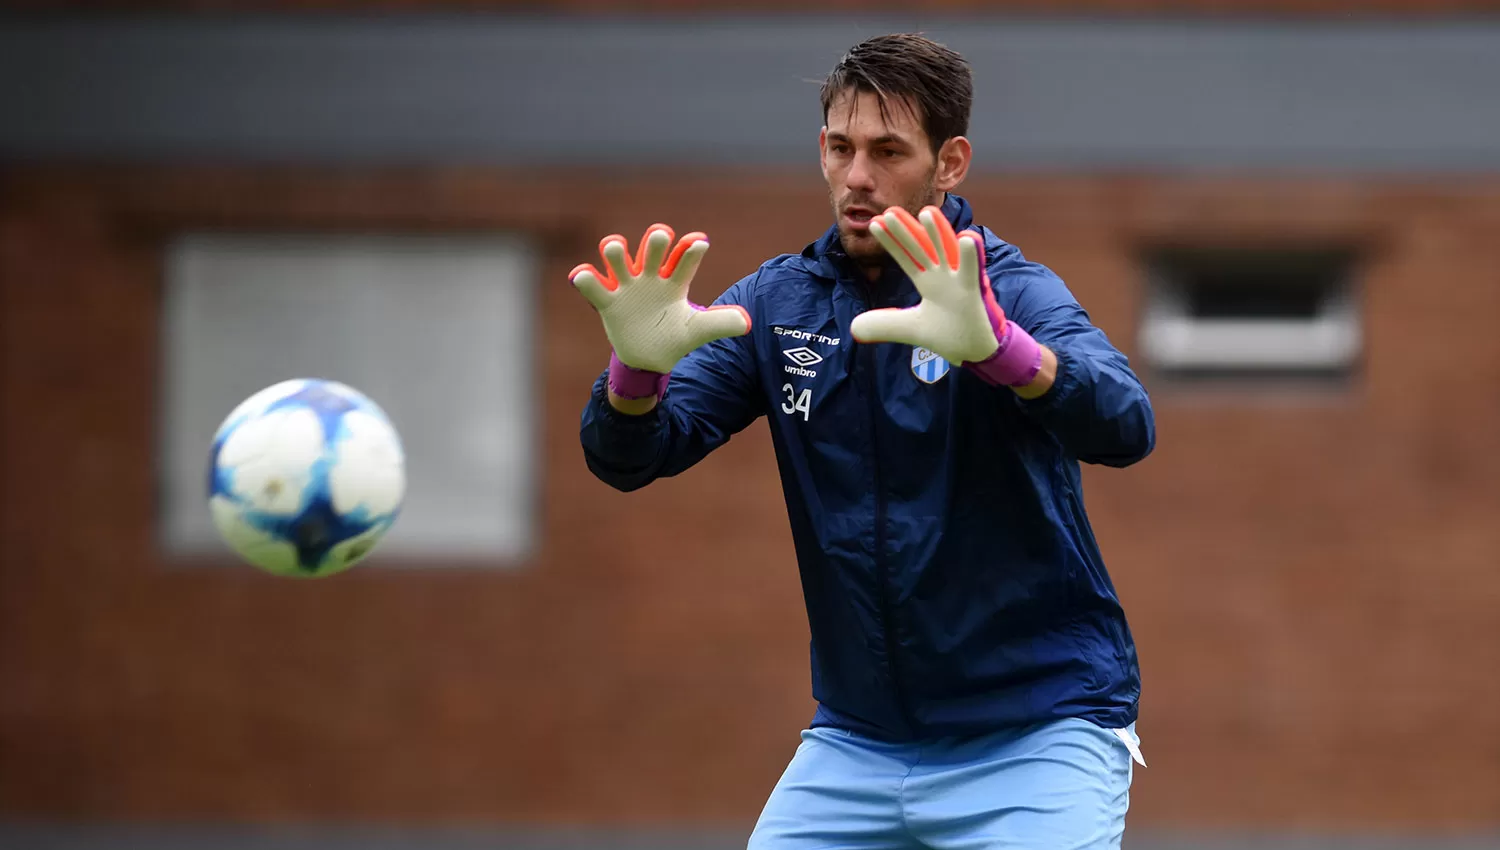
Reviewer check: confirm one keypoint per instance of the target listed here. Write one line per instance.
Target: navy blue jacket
(952, 581)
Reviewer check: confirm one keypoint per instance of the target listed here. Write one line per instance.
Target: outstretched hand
(643, 300)
(643, 303)
(958, 317)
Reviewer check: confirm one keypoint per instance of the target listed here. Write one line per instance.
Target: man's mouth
(858, 218)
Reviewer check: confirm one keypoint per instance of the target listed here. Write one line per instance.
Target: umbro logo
(803, 356)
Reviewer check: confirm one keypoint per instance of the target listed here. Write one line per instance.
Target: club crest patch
(927, 366)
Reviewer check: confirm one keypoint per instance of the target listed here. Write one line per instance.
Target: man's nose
(861, 173)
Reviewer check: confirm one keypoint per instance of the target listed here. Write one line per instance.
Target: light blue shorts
(1059, 786)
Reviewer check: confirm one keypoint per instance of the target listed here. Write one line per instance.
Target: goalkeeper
(931, 394)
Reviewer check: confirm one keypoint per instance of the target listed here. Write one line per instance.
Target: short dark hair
(907, 65)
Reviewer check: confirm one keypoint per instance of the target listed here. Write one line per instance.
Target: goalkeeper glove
(958, 318)
(645, 309)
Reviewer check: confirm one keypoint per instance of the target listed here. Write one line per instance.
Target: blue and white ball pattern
(305, 478)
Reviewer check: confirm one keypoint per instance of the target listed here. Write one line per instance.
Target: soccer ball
(305, 478)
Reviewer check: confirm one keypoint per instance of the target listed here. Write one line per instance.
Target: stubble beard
(863, 248)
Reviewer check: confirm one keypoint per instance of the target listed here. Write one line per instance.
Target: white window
(1253, 315)
(437, 330)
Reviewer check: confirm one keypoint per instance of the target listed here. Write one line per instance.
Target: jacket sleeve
(712, 394)
(1097, 407)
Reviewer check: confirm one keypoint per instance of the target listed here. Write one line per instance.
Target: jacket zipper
(882, 566)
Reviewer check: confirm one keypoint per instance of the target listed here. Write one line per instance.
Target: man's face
(872, 162)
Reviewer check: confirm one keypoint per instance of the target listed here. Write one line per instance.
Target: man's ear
(953, 160)
(823, 150)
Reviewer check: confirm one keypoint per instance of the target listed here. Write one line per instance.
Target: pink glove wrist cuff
(627, 382)
(1017, 360)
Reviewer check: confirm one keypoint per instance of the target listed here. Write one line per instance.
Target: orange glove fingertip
(945, 232)
(638, 262)
(608, 281)
(613, 237)
(669, 267)
(918, 232)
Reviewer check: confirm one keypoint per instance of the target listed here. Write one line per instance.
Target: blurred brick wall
(1312, 579)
